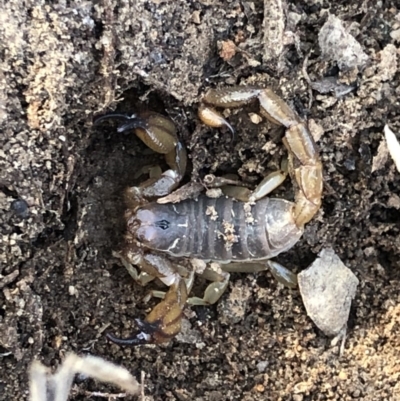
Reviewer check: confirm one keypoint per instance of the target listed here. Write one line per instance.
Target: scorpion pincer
(241, 234)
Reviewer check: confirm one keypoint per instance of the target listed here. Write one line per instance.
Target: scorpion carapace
(240, 234)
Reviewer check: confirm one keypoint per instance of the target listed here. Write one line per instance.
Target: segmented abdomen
(223, 229)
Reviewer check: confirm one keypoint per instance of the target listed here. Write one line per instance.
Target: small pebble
(20, 208)
(327, 288)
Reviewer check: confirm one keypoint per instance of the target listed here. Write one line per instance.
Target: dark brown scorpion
(239, 234)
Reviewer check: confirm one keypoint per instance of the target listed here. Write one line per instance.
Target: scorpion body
(253, 229)
(226, 230)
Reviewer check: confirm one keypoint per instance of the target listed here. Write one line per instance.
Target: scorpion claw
(163, 322)
(143, 336)
(128, 125)
(159, 134)
(97, 120)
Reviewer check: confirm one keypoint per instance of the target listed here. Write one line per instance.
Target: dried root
(44, 386)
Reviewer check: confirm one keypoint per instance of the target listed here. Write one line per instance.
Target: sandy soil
(61, 185)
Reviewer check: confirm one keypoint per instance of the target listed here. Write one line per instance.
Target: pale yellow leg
(161, 294)
(154, 294)
(141, 278)
(213, 292)
(266, 186)
(281, 273)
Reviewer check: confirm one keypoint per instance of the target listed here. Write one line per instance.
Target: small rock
(388, 66)
(262, 366)
(20, 208)
(395, 35)
(227, 50)
(255, 118)
(394, 201)
(232, 310)
(339, 45)
(379, 160)
(189, 335)
(259, 388)
(317, 130)
(302, 387)
(196, 17)
(327, 288)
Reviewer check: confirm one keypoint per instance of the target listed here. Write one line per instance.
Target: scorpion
(241, 232)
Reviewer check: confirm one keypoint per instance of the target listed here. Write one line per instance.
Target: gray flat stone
(327, 288)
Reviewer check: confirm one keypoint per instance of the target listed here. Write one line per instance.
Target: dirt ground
(62, 180)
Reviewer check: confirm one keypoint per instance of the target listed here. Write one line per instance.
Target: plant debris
(393, 146)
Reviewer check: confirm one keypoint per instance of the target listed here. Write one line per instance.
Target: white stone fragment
(339, 45)
(393, 146)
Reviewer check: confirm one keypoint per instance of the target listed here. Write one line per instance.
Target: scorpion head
(158, 227)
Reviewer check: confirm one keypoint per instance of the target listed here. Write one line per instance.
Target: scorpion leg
(164, 321)
(141, 278)
(159, 134)
(304, 163)
(281, 273)
(212, 293)
(214, 290)
(189, 280)
(265, 187)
